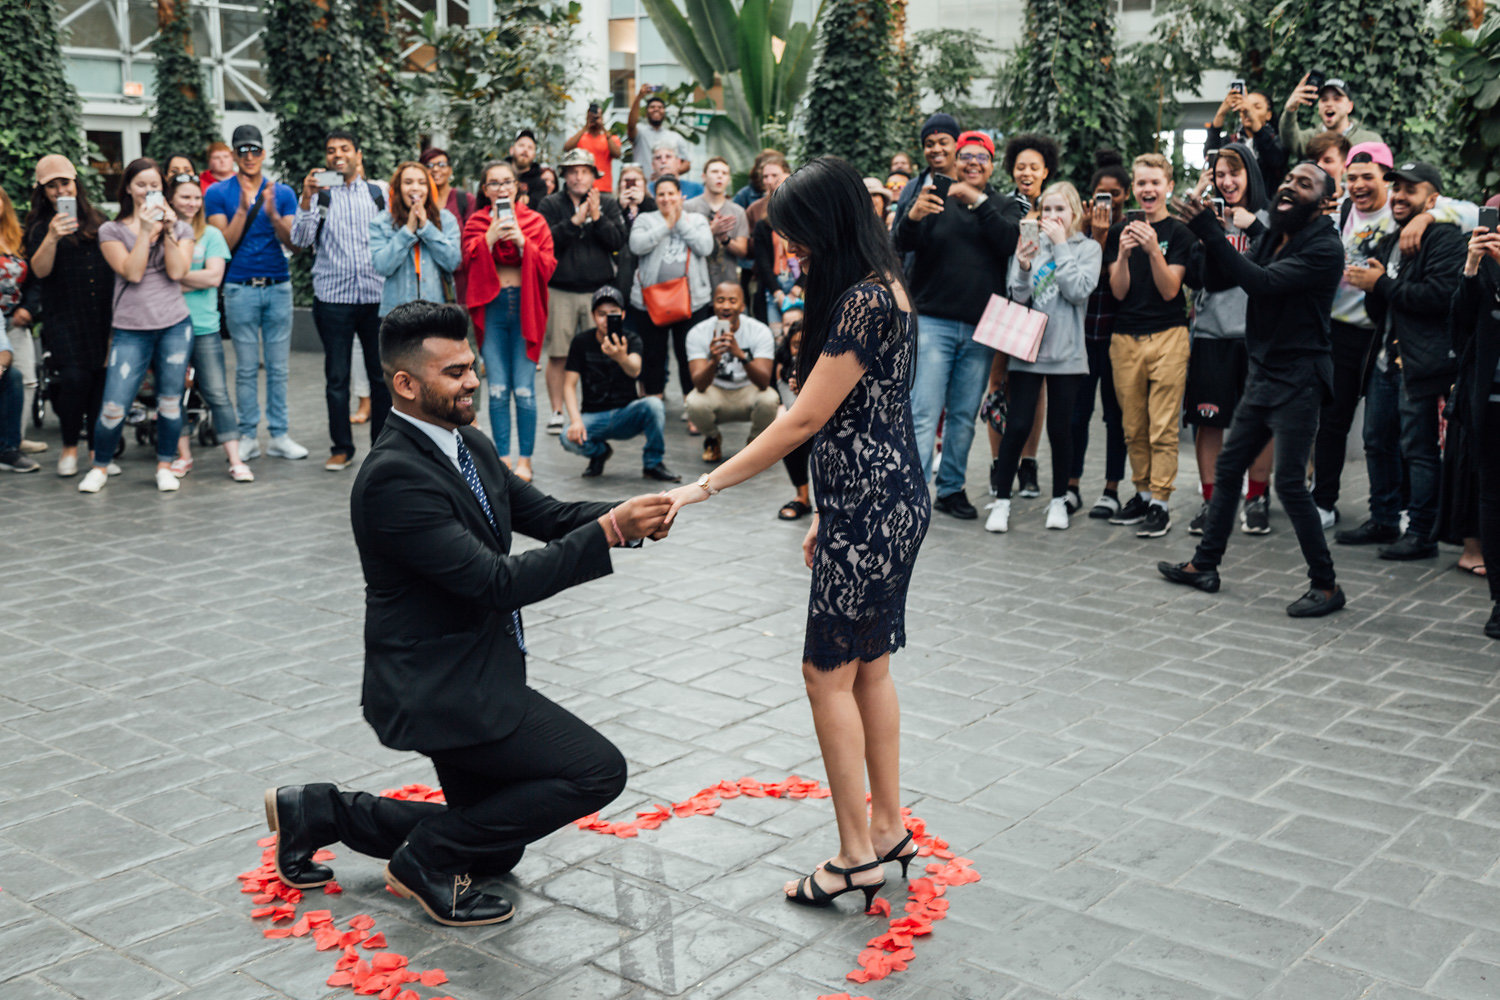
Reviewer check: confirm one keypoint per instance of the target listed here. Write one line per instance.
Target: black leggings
(77, 393)
(1024, 389)
(796, 463)
(1485, 451)
(654, 350)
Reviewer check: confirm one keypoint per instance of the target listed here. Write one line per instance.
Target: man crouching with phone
(602, 367)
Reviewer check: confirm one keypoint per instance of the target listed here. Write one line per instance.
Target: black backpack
(325, 199)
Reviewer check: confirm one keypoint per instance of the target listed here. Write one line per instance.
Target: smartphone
(1135, 215)
(154, 198)
(504, 211)
(1315, 79)
(1489, 216)
(1219, 208)
(68, 205)
(614, 324)
(1212, 156)
(328, 178)
(1102, 199)
(940, 184)
(1236, 86)
(721, 328)
(655, 88)
(1030, 230)
(594, 108)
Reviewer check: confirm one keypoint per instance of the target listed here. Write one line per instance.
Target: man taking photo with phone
(597, 140)
(1335, 105)
(645, 136)
(1255, 130)
(731, 358)
(599, 390)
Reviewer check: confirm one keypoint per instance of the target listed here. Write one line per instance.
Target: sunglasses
(438, 165)
(183, 179)
(248, 150)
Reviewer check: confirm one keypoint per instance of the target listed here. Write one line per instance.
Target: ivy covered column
(183, 122)
(852, 91)
(39, 109)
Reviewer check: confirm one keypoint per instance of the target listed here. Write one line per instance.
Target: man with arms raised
(434, 512)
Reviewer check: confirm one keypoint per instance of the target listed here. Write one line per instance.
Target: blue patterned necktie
(471, 476)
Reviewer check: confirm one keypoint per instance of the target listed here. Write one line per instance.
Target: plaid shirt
(1099, 321)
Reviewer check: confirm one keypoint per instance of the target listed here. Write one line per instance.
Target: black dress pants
(77, 395)
(338, 323)
(1294, 423)
(1351, 346)
(554, 768)
(1487, 456)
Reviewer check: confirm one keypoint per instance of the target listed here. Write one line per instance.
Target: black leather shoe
(1315, 603)
(1206, 580)
(295, 840)
(596, 464)
(661, 474)
(1369, 533)
(1492, 627)
(956, 505)
(1408, 548)
(448, 899)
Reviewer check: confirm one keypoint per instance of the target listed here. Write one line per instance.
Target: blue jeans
(339, 325)
(260, 319)
(1102, 374)
(510, 372)
(12, 408)
(130, 354)
(642, 416)
(953, 370)
(1401, 433)
(213, 386)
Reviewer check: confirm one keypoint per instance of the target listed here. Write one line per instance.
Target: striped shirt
(341, 270)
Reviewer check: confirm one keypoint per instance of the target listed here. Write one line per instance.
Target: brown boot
(712, 449)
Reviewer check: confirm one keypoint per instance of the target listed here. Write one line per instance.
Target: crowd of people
(625, 260)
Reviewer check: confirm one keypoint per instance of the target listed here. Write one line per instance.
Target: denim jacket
(392, 252)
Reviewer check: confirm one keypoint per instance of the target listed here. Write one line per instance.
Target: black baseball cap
(247, 135)
(1416, 172)
(1336, 84)
(526, 133)
(606, 293)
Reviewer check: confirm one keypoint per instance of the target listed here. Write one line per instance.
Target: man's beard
(1293, 219)
(444, 408)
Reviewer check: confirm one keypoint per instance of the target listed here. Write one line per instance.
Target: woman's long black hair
(825, 208)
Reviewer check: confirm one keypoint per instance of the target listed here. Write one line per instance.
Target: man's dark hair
(1330, 186)
(1043, 144)
(1324, 141)
(406, 326)
(345, 134)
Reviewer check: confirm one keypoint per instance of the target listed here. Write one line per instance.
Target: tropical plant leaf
(757, 64)
(791, 72)
(727, 139)
(716, 24)
(679, 38)
(781, 18)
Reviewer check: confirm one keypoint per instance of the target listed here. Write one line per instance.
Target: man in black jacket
(587, 228)
(445, 654)
(1290, 275)
(1407, 296)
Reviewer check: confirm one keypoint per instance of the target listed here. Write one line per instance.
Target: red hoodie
(537, 265)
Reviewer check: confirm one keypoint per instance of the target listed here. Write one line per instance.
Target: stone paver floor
(1168, 795)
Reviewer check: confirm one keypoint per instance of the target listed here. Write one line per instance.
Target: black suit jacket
(442, 665)
(1417, 300)
(1476, 334)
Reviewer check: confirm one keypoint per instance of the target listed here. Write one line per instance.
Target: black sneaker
(1026, 478)
(1156, 523)
(956, 505)
(1409, 547)
(1195, 526)
(1106, 507)
(1492, 627)
(995, 478)
(596, 464)
(14, 461)
(1134, 511)
(661, 474)
(1256, 517)
(1315, 604)
(1369, 533)
(1072, 501)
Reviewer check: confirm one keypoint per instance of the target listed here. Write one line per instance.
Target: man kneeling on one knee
(601, 369)
(730, 358)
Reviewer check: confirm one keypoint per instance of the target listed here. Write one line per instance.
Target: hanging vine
(182, 121)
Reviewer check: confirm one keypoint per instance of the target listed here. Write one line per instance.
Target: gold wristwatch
(703, 485)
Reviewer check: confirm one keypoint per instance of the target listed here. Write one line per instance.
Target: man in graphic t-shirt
(731, 358)
(1147, 257)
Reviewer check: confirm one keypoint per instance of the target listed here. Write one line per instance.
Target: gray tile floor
(1167, 794)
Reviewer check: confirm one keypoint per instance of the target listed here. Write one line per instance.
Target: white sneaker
(1327, 518)
(113, 469)
(1057, 514)
(555, 422)
(249, 448)
(94, 481)
(284, 447)
(999, 519)
(67, 465)
(166, 482)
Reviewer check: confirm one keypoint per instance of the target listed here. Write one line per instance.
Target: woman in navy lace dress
(855, 370)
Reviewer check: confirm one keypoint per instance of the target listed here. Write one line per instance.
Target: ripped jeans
(509, 372)
(130, 354)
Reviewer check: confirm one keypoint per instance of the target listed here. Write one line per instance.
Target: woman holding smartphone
(508, 253)
(77, 288)
(200, 289)
(151, 251)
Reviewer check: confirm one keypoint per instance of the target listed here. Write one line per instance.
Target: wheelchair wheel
(39, 404)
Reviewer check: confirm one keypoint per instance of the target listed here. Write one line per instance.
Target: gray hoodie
(1221, 315)
(1059, 283)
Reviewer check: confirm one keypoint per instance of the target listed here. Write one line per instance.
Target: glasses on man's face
(438, 165)
(974, 157)
(248, 150)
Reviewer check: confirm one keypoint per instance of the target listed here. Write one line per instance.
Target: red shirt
(598, 144)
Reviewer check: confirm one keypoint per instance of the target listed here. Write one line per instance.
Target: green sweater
(1295, 139)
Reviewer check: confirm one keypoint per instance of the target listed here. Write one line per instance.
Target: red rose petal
(323, 855)
(362, 922)
(340, 979)
(277, 932)
(266, 841)
(326, 938)
(376, 940)
(434, 977)
(880, 908)
(388, 961)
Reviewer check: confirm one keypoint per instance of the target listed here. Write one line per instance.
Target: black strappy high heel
(810, 893)
(896, 855)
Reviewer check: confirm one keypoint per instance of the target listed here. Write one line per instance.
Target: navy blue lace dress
(873, 506)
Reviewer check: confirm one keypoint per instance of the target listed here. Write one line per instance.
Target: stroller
(197, 418)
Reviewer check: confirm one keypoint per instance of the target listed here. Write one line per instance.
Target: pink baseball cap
(1371, 152)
